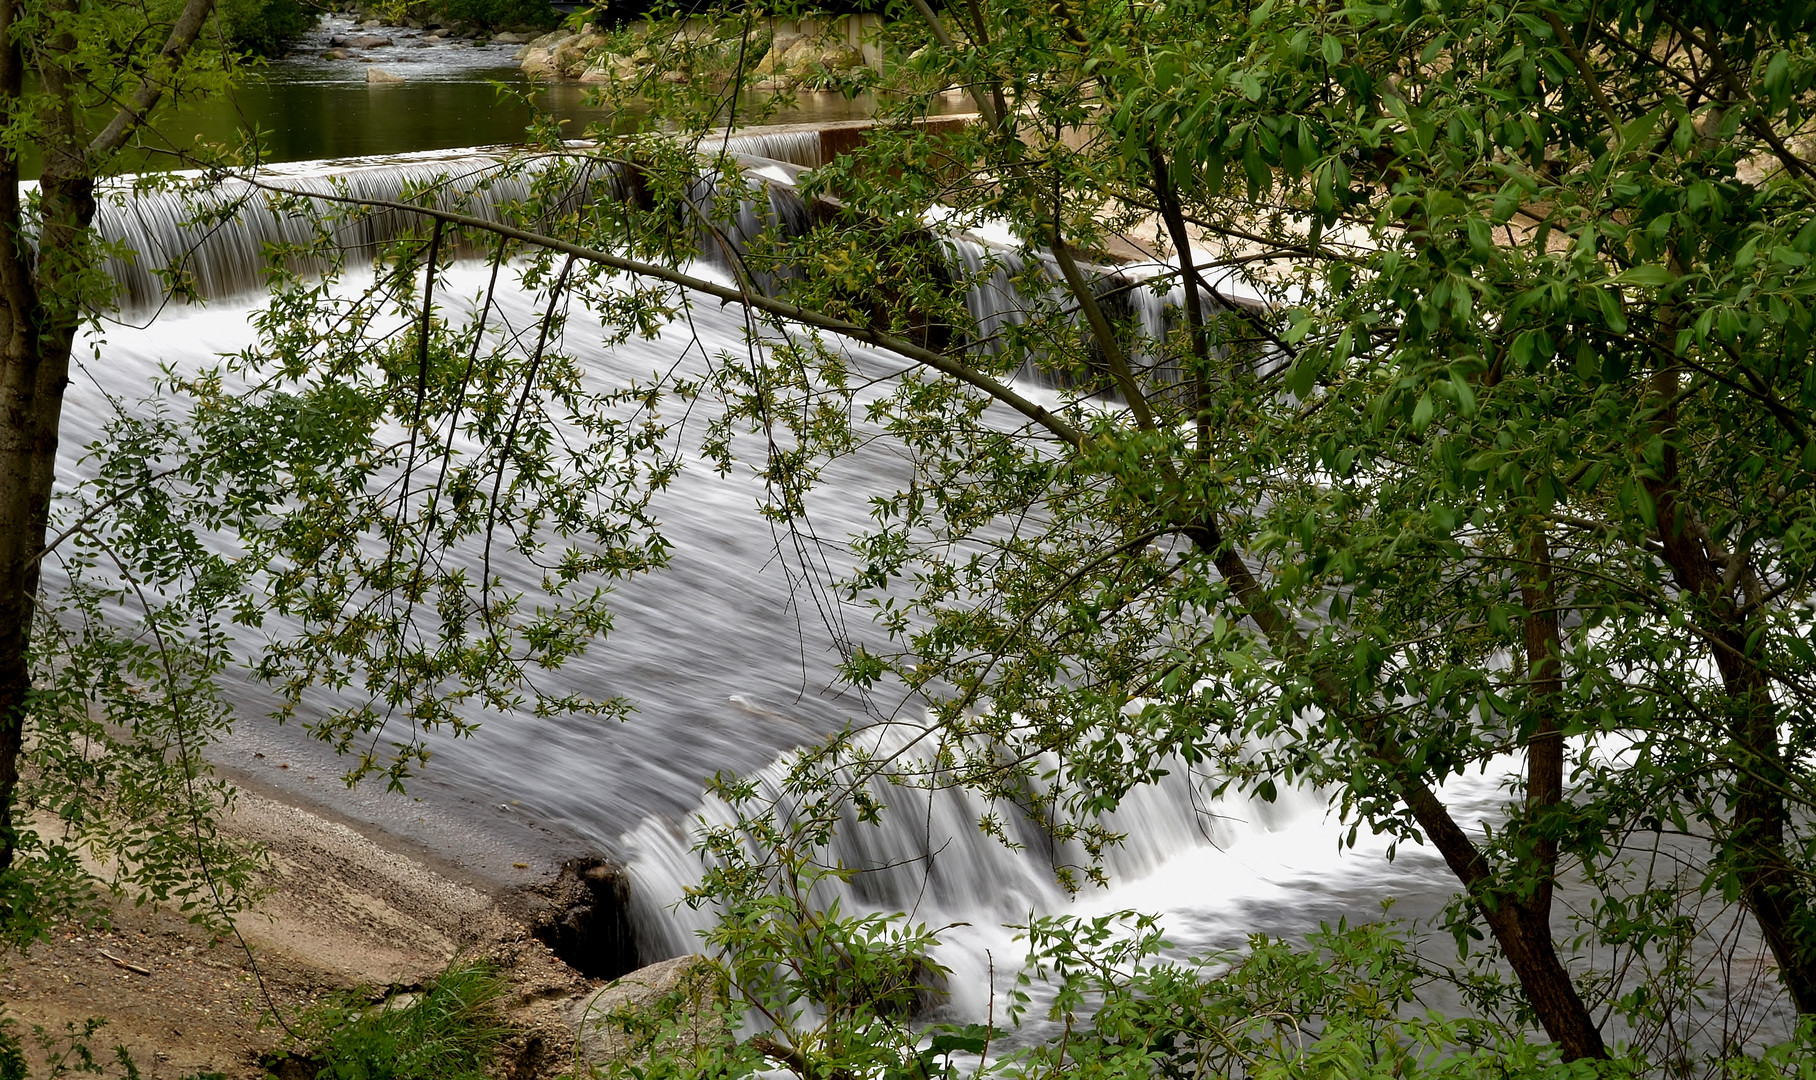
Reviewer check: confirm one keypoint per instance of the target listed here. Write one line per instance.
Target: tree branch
(908, 350)
(153, 87)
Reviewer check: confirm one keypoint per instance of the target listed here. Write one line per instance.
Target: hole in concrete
(585, 919)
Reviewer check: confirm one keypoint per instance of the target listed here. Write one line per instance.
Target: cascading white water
(217, 235)
(1009, 286)
(803, 147)
(698, 647)
(731, 666)
(925, 856)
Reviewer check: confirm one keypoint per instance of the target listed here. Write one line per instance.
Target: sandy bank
(344, 910)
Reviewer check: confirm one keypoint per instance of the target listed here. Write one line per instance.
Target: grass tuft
(449, 1032)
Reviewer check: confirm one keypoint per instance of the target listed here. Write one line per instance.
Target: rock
(512, 38)
(777, 46)
(335, 54)
(338, 42)
(380, 75)
(571, 57)
(551, 39)
(583, 916)
(522, 53)
(679, 1002)
(370, 41)
(370, 24)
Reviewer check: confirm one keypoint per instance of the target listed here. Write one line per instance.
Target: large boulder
(607, 68)
(678, 1003)
(575, 55)
(537, 59)
(778, 47)
(796, 61)
(380, 75)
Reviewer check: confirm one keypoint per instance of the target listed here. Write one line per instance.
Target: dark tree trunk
(41, 300)
(34, 369)
(1771, 885)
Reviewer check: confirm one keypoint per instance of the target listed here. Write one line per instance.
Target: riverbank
(344, 911)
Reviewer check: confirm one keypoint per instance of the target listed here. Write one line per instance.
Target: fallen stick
(123, 963)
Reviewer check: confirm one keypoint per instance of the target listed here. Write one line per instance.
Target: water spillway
(730, 652)
(214, 235)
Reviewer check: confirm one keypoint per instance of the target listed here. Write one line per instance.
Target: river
(453, 94)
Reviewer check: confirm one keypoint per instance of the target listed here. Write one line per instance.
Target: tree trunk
(41, 301)
(1522, 930)
(1754, 847)
(34, 370)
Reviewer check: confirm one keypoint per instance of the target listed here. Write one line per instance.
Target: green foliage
(834, 990)
(448, 1032)
(264, 27)
(122, 712)
(1345, 1003)
(69, 1052)
(499, 14)
(685, 1032)
(1513, 468)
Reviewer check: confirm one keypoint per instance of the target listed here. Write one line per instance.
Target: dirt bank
(343, 911)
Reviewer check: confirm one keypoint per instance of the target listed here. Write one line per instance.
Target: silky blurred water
(730, 654)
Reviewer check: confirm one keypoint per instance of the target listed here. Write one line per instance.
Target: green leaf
(1422, 412)
(1650, 275)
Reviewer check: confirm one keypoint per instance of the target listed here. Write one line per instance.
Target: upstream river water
(454, 93)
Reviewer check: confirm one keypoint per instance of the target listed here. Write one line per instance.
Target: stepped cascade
(720, 651)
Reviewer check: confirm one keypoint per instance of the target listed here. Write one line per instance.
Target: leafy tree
(265, 27)
(78, 82)
(270, 487)
(1515, 464)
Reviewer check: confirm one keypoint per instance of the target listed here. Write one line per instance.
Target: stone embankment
(786, 54)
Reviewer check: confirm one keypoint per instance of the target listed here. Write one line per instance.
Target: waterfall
(215, 233)
(634, 790)
(926, 856)
(1010, 286)
(803, 147)
(766, 201)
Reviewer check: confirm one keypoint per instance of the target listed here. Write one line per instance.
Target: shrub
(450, 1032)
(264, 27)
(493, 14)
